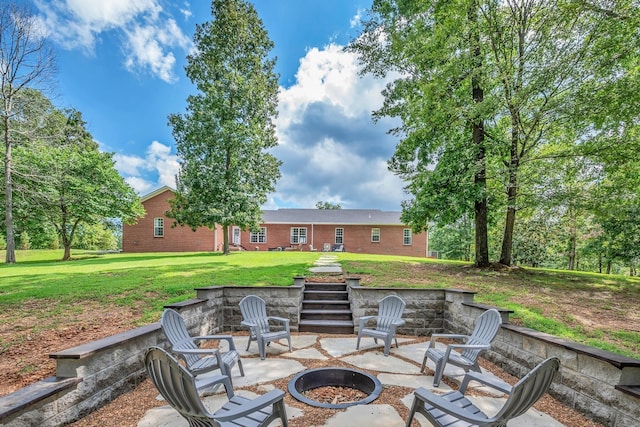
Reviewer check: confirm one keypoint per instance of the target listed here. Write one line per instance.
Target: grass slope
(599, 310)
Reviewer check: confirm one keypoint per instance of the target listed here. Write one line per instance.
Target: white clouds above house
(149, 34)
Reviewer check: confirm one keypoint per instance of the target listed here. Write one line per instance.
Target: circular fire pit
(334, 377)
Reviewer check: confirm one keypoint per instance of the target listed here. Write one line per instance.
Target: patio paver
(394, 371)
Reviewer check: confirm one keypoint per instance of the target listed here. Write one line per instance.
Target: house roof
(331, 216)
(156, 192)
(316, 216)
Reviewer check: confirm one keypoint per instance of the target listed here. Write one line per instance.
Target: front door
(236, 236)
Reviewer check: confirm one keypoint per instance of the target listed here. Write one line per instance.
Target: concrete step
(326, 295)
(326, 326)
(327, 314)
(313, 286)
(325, 305)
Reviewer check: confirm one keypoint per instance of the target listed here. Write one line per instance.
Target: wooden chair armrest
(488, 380)
(248, 407)
(445, 406)
(435, 337)
(200, 351)
(227, 338)
(364, 319)
(219, 379)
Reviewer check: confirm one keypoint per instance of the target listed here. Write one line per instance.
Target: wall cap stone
(17, 401)
(614, 359)
(93, 347)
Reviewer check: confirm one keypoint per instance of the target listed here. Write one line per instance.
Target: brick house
(353, 230)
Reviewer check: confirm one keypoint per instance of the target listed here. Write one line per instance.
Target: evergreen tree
(224, 137)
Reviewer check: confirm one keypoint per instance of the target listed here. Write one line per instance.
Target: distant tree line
(60, 190)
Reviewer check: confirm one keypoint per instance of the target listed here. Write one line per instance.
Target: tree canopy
(66, 181)
(224, 136)
(26, 61)
(539, 80)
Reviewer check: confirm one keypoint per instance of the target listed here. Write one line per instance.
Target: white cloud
(158, 168)
(150, 34)
(357, 19)
(330, 147)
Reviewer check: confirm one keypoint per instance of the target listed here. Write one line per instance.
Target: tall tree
(539, 72)
(224, 137)
(25, 61)
(544, 54)
(68, 182)
(436, 48)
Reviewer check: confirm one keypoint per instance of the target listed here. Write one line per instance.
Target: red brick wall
(139, 237)
(357, 239)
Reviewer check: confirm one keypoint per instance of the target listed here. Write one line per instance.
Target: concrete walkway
(327, 264)
(394, 370)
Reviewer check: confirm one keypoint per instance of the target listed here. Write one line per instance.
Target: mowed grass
(599, 310)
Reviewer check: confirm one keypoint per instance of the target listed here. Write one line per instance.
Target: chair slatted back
(176, 332)
(177, 386)
(526, 392)
(254, 309)
(390, 309)
(485, 330)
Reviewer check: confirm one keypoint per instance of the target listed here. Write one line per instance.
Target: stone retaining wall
(591, 381)
(599, 384)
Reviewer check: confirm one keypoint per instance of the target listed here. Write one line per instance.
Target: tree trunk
(572, 243)
(8, 188)
(608, 267)
(225, 239)
(600, 263)
(479, 178)
(512, 193)
(67, 252)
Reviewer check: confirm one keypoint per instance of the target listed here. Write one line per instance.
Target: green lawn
(595, 309)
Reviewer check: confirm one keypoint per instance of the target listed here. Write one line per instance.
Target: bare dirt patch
(29, 334)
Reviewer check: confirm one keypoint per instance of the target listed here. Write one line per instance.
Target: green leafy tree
(436, 48)
(26, 61)
(95, 237)
(70, 182)
(453, 241)
(25, 241)
(485, 85)
(327, 205)
(224, 137)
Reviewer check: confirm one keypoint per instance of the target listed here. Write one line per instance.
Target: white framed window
(298, 235)
(375, 235)
(339, 236)
(258, 236)
(406, 236)
(158, 227)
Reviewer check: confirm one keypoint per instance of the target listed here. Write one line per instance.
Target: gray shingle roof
(331, 216)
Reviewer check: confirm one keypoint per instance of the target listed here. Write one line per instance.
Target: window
(298, 235)
(375, 234)
(258, 236)
(339, 236)
(158, 227)
(406, 236)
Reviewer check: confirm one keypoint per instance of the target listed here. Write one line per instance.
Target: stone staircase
(326, 309)
(325, 306)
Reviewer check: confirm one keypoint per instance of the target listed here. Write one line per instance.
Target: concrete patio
(402, 368)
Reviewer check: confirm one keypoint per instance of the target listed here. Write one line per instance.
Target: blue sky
(121, 63)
